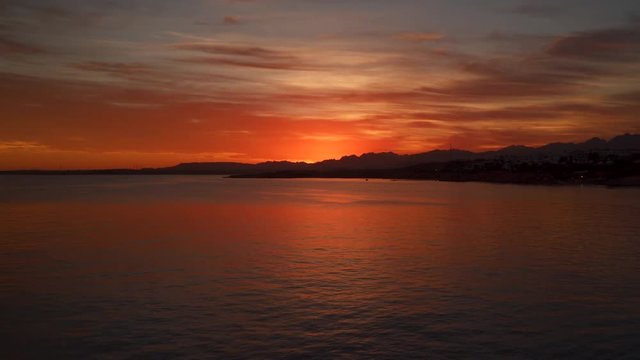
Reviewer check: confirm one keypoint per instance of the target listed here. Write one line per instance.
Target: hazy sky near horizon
(132, 83)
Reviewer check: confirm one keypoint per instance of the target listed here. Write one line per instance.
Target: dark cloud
(50, 16)
(502, 114)
(631, 97)
(119, 68)
(235, 50)
(123, 70)
(539, 112)
(581, 70)
(64, 15)
(428, 124)
(565, 66)
(518, 42)
(265, 65)
(10, 47)
(537, 10)
(245, 56)
(507, 84)
(618, 44)
(512, 37)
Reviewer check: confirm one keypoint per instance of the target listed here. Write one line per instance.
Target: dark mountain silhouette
(211, 168)
(225, 168)
(605, 160)
(621, 142)
(595, 161)
(625, 142)
(509, 151)
(390, 160)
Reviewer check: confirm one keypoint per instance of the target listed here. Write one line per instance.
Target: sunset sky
(136, 83)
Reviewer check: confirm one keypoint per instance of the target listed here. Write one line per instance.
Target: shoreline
(631, 181)
(624, 182)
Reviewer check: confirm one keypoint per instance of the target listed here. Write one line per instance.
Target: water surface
(203, 266)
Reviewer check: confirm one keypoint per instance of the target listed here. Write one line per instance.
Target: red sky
(150, 83)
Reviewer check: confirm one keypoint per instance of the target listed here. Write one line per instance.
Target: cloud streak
(420, 36)
(244, 56)
(118, 69)
(235, 50)
(13, 47)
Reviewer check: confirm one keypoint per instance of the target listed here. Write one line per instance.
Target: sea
(208, 267)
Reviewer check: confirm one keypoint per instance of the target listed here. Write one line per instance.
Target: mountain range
(389, 164)
(389, 160)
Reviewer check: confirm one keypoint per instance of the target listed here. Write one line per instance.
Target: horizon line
(310, 162)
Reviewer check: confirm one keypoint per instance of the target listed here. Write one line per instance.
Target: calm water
(163, 267)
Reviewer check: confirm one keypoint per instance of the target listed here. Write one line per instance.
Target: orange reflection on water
(306, 262)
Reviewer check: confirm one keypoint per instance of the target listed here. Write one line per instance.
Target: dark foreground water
(206, 267)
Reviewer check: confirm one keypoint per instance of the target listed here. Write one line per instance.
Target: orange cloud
(231, 20)
(420, 36)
